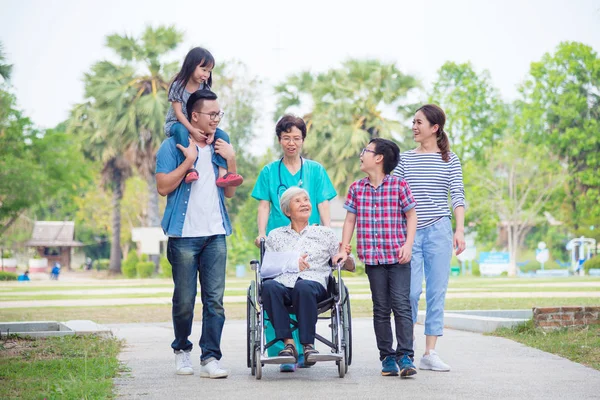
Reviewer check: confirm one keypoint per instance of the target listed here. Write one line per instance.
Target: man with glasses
(197, 222)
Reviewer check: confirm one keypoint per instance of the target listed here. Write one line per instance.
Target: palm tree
(5, 69)
(122, 118)
(98, 144)
(134, 103)
(348, 109)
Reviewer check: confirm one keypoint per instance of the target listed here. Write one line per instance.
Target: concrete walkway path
(483, 367)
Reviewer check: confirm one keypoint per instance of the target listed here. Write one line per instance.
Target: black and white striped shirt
(431, 179)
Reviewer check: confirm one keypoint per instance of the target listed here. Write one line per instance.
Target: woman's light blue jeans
(431, 254)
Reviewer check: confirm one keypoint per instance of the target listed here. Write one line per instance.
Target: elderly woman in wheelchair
(297, 270)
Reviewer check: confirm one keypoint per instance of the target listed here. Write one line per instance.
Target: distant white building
(148, 239)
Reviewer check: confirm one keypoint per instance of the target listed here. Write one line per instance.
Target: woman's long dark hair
(436, 116)
(196, 56)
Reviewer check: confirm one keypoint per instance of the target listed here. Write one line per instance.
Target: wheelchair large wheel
(250, 323)
(347, 326)
(248, 330)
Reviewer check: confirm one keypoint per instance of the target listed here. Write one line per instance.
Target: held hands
(224, 149)
(343, 254)
(347, 247)
(302, 264)
(459, 242)
(405, 254)
(201, 135)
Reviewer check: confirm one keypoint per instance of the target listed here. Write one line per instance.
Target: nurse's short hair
(287, 196)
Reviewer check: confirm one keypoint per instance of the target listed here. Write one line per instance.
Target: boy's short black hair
(390, 152)
(197, 99)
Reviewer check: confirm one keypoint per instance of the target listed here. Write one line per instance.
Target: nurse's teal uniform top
(274, 179)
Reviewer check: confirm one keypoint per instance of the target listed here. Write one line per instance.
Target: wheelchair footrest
(278, 360)
(324, 357)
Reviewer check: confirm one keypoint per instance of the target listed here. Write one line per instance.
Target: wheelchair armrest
(253, 264)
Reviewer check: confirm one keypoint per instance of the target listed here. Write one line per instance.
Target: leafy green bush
(102, 264)
(144, 257)
(7, 254)
(591, 263)
(129, 270)
(8, 276)
(129, 267)
(145, 269)
(132, 257)
(166, 270)
(475, 268)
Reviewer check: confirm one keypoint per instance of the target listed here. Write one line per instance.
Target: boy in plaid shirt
(382, 207)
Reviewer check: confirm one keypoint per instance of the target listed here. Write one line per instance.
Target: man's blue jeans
(202, 258)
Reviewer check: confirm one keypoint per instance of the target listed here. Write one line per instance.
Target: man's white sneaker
(433, 362)
(213, 370)
(183, 363)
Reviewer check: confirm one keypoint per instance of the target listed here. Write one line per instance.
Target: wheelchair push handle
(262, 248)
(254, 263)
(337, 265)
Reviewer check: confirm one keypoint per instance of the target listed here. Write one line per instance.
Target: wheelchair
(336, 309)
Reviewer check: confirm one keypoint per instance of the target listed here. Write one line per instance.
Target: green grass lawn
(237, 287)
(68, 367)
(78, 296)
(29, 296)
(581, 345)
(162, 312)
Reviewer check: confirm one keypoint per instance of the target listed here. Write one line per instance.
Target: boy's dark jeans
(390, 291)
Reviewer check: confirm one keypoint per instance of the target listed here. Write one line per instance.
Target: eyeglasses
(365, 150)
(290, 140)
(213, 115)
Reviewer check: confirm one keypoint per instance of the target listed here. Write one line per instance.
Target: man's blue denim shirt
(168, 159)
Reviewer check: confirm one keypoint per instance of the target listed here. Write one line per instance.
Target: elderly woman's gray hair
(287, 196)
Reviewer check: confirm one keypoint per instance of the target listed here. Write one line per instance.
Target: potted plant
(8, 262)
(38, 264)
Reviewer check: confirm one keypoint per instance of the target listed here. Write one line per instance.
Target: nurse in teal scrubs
(275, 178)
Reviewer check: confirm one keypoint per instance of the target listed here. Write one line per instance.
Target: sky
(53, 43)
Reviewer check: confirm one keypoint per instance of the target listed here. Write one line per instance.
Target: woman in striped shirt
(432, 172)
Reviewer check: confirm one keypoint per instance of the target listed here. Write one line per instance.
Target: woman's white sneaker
(183, 363)
(213, 370)
(433, 362)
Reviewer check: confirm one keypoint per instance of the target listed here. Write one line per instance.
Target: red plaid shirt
(380, 218)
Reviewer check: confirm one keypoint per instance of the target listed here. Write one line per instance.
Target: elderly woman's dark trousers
(304, 297)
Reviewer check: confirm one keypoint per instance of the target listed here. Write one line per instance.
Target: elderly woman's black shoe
(289, 351)
(309, 351)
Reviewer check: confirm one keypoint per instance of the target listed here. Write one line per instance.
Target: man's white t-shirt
(203, 215)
